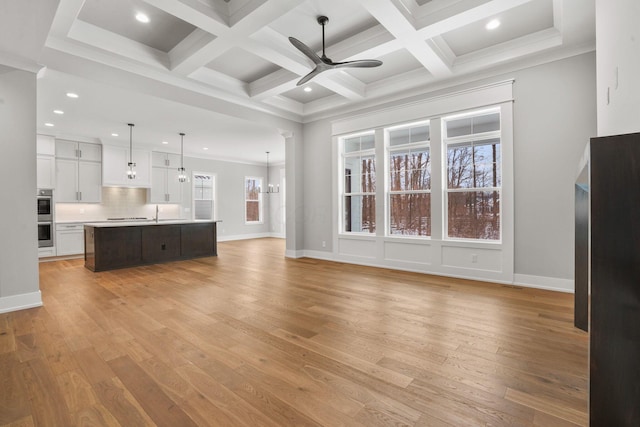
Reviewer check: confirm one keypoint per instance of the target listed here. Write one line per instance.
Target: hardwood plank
(121, 404)
(7, 338)
(226, 341)
(548, 406)
(77, 391)
(23, 422)
(216, 400)
(94, 368)
(47, 403)
(14, 398)
(155, 402)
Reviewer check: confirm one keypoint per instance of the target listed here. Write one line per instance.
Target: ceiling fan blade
(362, 63)
(309, 76)
(306, 50)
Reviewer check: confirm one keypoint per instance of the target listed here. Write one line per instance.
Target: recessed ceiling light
(308, 89)
(72, 95)
(58, 112)
(493, 24)
(205, 148)
(114, 134)
(165, 142)
(49, 125)
(142, 17)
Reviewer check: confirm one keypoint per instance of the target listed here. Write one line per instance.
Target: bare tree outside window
(474, 177)
(409, 181)
(253, 199)
(359, 203)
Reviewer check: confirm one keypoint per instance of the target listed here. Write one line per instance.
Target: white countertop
(107, 224)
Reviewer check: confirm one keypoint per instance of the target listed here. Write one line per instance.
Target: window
(473, 168)
(359, 184)
(203, 195)
(409, 185)
(253, 200)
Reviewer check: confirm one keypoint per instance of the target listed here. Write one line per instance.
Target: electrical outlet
(324, 244)
(474, 258)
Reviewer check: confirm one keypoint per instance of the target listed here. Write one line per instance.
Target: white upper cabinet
(165, 160)
(165, 187)
(78, 150)
(45, 161)
(78, 172)
(114, 167)
(45, 145)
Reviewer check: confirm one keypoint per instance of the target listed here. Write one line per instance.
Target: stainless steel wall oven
(45, 218)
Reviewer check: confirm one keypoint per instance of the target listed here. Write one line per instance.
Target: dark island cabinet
(111, 247)
(160, 243)
(197, 240)
(615, 281)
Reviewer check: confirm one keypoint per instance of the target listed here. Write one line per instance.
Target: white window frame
(260, 204)
(387, 170)
(470, 138)
(342, 191)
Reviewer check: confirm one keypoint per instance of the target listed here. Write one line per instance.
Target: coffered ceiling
(238, 50)
(230, 57)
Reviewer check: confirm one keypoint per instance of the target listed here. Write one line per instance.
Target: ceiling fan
(322, 62)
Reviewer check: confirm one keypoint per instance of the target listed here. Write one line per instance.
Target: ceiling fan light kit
(323, 63)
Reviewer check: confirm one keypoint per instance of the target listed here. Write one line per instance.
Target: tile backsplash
(117, 202)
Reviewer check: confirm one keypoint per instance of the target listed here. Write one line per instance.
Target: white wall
(19, 283)
(275, 201)
(554, 117)
(229, 196)
(618, 47)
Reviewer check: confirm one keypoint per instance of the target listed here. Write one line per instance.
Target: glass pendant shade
(182, 175)
(270, 187)
(131, 173)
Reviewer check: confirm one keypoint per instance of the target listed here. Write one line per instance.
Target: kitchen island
(112, 245)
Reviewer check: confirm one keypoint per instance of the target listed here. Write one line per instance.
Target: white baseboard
(524, 280)
(243, 237)
(294, 254)
(20, 302)
(324, 255)
(543, 282)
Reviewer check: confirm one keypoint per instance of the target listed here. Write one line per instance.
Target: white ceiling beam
(396, 19)
(461, 14)
(189, 45)
(342, 83)
(371, 43)
(285, 104)
(276, 48)
(509, 51)
(368, 44)
(106, 40)
(65, 16)
(255, 15)
(273, 84)
(220, 80)
(196, 13)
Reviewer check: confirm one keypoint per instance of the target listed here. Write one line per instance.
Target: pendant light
(270, 188)
(182, 176)
(131, 173)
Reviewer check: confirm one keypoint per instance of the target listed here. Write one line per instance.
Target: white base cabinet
(69, 239)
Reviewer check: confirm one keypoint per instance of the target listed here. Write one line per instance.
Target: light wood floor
(253, 339)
